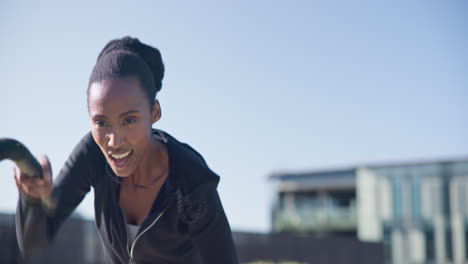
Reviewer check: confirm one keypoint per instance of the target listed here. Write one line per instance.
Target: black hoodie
(186, 224)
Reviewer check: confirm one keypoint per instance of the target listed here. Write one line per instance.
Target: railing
(319, 219)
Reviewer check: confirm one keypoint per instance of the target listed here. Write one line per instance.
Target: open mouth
(121, 160)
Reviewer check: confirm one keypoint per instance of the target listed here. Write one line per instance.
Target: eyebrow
(129, 112)
(121, 115)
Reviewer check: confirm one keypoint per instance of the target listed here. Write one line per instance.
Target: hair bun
(150, 55)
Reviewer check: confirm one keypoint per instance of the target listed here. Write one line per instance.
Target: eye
(100, 123)
(129, 121)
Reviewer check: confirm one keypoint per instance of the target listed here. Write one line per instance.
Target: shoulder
(82, 165)
(88, 147)
(189, 165)
(198, 202)
(86, 155)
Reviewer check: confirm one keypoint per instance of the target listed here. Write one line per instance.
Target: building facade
(418, 210)
(316, 202)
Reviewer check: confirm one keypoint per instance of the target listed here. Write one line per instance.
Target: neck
(153, 168)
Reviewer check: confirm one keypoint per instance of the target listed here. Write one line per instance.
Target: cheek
(139, 135)
(99, 137)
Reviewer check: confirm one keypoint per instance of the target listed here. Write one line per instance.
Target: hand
(35, 187)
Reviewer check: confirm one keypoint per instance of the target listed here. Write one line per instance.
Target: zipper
(139, 235)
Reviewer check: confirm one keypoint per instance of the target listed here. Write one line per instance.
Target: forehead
(112, 97)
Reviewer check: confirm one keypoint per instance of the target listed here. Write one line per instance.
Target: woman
(155, 198)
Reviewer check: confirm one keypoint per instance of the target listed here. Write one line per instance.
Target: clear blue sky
(255, 86)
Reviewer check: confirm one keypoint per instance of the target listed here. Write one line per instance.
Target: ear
(155, 112)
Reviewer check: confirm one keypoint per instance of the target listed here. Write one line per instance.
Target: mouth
(121, 160)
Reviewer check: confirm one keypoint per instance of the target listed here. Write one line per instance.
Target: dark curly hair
(129, 57)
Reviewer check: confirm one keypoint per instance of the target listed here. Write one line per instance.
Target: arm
(211, 232)
(37, 224)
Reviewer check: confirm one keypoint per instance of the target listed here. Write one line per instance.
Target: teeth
(121, 156)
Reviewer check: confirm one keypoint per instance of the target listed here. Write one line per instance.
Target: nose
(115, 140)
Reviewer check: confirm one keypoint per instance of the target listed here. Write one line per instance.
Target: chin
(122, 172)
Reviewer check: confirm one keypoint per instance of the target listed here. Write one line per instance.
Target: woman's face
(121, 122)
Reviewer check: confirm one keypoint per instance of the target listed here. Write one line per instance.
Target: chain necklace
(119, 180)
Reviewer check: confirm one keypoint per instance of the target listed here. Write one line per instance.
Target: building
(418, 210)
(321, 201)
